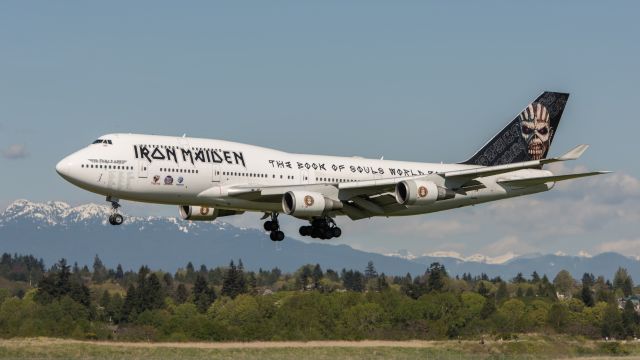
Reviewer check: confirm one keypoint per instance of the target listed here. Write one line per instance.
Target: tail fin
(528, 136)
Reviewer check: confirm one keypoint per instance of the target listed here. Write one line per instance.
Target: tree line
(312, 303)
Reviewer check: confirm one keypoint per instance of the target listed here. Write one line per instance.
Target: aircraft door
(305, 177)
(216, 173)
(143, 171)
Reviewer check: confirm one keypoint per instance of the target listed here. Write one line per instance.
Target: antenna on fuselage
(184, 135)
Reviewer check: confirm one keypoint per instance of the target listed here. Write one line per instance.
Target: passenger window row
(254, 175)
(112, 167)
(335, 180)
(188, 171)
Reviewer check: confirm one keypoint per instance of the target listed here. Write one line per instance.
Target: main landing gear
(115, 218)
(321, 228)
(273, 226)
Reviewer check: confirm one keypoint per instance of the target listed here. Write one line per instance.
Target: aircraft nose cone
(63, 167)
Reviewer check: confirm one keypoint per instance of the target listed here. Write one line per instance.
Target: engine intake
(306, 204)
(419, 192)
(204, 213)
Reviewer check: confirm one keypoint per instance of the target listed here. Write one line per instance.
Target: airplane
(208, 179)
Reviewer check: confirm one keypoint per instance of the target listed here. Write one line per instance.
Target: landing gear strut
(115, 218)
(321, 228)
(273, 226)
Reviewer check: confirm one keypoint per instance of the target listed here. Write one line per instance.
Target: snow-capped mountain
(57, 214)
(478, 258)
(54, 230)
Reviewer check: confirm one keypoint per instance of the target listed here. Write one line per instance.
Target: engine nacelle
(305, 204)
(420, 192)
(204, 213)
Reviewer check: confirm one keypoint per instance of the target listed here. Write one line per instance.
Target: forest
(230, 303)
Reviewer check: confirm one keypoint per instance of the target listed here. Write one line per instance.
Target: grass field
(529, 347)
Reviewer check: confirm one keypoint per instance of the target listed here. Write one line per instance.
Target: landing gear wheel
(276, 235)
(273, 226)
(305, 230)
(117, 219)
(321, 228)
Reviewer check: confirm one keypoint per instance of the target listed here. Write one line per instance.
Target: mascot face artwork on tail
(536, 130)
(528, 136)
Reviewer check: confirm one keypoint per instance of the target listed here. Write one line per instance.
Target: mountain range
(55, 230)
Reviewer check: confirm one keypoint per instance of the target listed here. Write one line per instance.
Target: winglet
(574, 153)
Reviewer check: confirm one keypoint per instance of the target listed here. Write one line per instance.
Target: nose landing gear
(321, 228)
(273, 226)
(115, 218)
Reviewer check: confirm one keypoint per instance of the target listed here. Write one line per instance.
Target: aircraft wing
(453, 179)
(375, 197)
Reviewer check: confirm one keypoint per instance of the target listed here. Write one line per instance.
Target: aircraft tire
(117, 219)
(336, 232)
(279, 235)
(267, 225)
(305, 230)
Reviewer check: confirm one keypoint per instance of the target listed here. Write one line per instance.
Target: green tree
(529, 293)
(519, 279)
(181, 294)
(99, 270)
(119, 273)
(361, 320)
(437, 276)
(563, 282)
(370, 271)
(622, 281)
(482, 289)
(586, 295)
(629, 319)
(558, 316)
(381, 283)
(488, 309)
(511, 314)
(233, 283)
(535, 278)
(316, 276)
(203, 295)
(502, 293)
(58, 283)
(612, 325)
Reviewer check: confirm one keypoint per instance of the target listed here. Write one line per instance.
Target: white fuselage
(195, 171)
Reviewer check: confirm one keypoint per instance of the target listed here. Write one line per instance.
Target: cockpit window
(101, 141)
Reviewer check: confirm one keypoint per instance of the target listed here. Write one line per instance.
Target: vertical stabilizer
(528, 136)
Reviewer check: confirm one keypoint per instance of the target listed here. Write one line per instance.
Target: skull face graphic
(536, 130)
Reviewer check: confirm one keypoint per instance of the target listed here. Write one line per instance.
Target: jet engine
(304, 204)
(204, 213)
(420, 192)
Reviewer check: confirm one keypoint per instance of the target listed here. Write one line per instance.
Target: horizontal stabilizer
(548, 179)
(500, 169)
(574, 153)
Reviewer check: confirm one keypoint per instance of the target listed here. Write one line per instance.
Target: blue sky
(413, 81)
